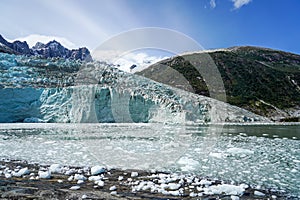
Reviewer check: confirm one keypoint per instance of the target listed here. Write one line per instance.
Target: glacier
(53, 90)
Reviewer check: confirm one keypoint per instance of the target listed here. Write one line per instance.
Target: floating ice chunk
(174, 193)
(79, 177)
(205, 182)
(76, 187)
(7, 175)
(235, 150)
(112, 188)
(216, 155)
(192, 194)
(80, 182)
(70, 171)
(113, 193)
(71, 178)
(258, 193)
(294, 170)
(55, 168)
(97, 170)
(134, 174)
(245, 186)
(84, 196)
(120, 178)
(94, 178)
(140, 186)
(225, 188)
(21, 172)
(243, 134)
(234, 197)
(45, 175)
(188, 164)
(173, 186)
(101, 183)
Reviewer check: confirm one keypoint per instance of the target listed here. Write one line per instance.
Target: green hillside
(264, 81)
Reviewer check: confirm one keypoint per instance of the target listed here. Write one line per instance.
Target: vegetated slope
(264, 81)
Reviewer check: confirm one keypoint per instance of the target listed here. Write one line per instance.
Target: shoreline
(22, 180)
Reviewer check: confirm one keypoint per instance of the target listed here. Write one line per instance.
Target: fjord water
(266, 156)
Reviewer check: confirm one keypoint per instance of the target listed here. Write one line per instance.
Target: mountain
(60, 90)
(16, 47)
(55, 49)
(50, 50)
(261, 80)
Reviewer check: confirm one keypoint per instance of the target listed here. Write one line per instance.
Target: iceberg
(68, 91)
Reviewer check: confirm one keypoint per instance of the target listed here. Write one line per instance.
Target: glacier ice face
(57, 90)
(17, 104)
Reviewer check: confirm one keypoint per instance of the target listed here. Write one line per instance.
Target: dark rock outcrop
(16, 46)
(50, 50)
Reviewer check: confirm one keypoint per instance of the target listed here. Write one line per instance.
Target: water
(266, 156)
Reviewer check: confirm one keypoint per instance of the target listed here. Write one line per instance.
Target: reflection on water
(264, 155)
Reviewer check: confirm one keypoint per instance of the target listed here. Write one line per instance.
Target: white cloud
(34, 38)
(239, 3)
(213, 3)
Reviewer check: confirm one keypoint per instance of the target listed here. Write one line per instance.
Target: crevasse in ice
(59, 90)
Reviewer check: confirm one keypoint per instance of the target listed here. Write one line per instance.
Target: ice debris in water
(100, 183)
(225, 188)
(134, 174)
(112, 188)
(79, 177)
(235, 150)
(21, 172)
(97, 170)
(44, 174)
(95, 178)
(258, 193)
(234, 197)
(76, 187)
(55, 168)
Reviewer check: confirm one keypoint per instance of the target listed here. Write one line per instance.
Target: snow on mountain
(35, 38)
(56, 90)
(139, 60)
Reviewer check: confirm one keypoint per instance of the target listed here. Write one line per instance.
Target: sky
(211, 23)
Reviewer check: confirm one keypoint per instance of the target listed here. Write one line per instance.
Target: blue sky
(212, 23)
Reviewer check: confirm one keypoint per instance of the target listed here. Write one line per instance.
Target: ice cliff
(59, 90)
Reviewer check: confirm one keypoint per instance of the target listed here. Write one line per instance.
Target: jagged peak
(39, 45)
(51, 49)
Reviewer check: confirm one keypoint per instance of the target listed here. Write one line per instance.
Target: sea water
(264, 156)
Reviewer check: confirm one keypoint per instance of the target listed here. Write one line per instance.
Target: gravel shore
(21, 180)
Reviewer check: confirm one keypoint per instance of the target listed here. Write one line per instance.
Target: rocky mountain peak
(49, 50)
(39, 45)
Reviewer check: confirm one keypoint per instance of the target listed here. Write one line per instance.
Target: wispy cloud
(213, 3)
(239, 3)
(34, 38)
